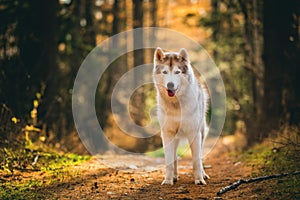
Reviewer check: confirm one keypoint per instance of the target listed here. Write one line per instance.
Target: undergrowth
(27, 164)
(274, 156)
(48, 169)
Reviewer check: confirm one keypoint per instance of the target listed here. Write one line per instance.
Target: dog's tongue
(171, 93)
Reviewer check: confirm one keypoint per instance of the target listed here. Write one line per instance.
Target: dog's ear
(159, 54)
(184, 54)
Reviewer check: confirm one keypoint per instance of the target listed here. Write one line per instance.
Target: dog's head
(171, 71)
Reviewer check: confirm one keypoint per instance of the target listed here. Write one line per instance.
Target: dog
(182, 105)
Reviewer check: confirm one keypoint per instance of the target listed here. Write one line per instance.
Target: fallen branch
(35, 160)
(251, 180)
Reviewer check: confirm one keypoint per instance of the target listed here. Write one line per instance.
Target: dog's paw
(175, 178)
(167, 182)
(200, 182)
(206, 176)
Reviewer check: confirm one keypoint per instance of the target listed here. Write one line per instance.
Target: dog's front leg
(195, 144)
(169, 146)
(176, 142)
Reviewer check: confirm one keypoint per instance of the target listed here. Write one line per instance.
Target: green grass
(21, 190)
(267, 159)
(57, 162)
(182, 151)
(50, 165)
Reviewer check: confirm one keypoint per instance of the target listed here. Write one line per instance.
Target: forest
(43, 45)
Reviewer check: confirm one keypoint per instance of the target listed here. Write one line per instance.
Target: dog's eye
(165, 72)
(177, 72)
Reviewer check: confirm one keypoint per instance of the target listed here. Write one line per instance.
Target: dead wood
(251, 180)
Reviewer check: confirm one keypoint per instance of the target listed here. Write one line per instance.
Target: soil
(140, 177)
(143, 180)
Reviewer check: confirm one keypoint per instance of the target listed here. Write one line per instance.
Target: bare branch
(251, 180)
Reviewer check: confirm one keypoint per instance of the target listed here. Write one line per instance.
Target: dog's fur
(182, 105)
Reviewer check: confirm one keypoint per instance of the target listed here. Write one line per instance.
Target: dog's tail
(206, 104)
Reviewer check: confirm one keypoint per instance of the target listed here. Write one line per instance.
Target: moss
(57, 162)
(49, 169)
(269, 158)
(21, 190)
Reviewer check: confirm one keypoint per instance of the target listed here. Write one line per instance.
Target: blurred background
(254, 43)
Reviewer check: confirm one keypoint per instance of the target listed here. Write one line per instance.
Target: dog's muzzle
(171, 90)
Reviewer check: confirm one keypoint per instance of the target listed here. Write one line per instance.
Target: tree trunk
(154, 13)
(281, 63)
(258, 92)
(138, 35)
(38, 51)
(138, 54)
(90, 36)
(215, 11)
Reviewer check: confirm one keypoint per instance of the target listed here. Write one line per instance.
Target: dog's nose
(170, 86)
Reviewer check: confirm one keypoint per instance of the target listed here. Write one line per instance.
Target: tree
(268, 43)
(30, 60)
(229, 47)
(282, 61)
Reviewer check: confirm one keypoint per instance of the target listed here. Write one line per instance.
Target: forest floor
(92, 180)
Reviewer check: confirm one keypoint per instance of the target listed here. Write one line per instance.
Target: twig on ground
(35, 160)
(251, 180)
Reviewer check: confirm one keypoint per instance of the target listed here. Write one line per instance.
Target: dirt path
(96, 181)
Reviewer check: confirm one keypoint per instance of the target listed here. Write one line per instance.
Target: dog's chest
(179, 120)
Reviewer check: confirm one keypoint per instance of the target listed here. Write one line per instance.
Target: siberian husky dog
(182, 105)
